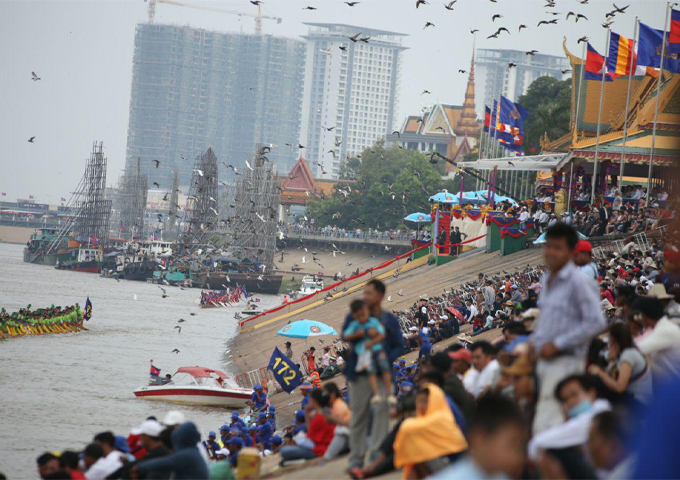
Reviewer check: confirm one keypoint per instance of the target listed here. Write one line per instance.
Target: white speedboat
(251, 309)
(310, 284)
(198, 386)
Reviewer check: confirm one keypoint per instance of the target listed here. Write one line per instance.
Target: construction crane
(151, 11)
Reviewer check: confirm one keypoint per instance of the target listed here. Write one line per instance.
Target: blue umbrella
(444, 197)
(306, 328)
(418, 217)
(541, 238)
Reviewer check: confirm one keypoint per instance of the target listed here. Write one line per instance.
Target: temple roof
(581, 140)
(299, 186)
(299, 178)
(467, 122)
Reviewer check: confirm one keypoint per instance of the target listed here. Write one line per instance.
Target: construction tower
(201, 211)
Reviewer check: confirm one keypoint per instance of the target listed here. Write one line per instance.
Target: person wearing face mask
(578, 398)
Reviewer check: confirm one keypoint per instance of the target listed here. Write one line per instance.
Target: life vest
(314, 379)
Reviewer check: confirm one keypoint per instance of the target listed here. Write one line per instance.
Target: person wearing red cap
(670, 276)
(583, 257)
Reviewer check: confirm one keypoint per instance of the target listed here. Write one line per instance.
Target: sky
(82, 50)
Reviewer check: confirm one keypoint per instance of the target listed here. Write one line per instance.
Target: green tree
(389, 183)
(548, 102)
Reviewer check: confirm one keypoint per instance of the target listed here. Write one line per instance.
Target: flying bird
(474, 31)
(355, 38)
(449, 6)
(249, 167)
(582, 39)
(157, 163)
(309, 8)
(257, 2)
(521, 27)
(351, 4)
(420, 2)
(30, 140)
(426, 92)
(620, 10)
(497, 15)
(199, 171)
(428, 24)
(495, 35)
(35, 77)
(547, 22)
(502, 29)
(564, 72)
(459, 71)
(157, 185)
(175, 351)
(327, 52)
(179, 329)
(343, 48)
(531, 52)
(510, 65)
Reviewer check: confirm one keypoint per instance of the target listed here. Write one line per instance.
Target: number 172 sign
(284, 370)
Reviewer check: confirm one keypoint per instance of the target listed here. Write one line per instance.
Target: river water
(57, 391)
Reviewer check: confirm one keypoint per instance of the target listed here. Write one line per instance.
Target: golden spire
(467, 123)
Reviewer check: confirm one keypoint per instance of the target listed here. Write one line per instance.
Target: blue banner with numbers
(284, 370)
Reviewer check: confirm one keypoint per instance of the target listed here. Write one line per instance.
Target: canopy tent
(541, 238)
(419, 217)
(474, 198)
(305, 329)
(534, 163)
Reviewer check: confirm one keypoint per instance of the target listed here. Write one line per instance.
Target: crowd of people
(53, 319)
(565, 371)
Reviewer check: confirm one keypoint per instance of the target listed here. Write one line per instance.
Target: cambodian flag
(155, 371)
(674, 37)
(121, 227)
(595, 65)
(487, 118)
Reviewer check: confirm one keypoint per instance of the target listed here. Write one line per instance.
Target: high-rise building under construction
(194, 89)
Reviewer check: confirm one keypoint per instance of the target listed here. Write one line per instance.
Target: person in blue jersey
(258, 401)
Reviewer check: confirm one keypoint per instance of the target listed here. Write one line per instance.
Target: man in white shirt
(523, 217)
(487, 368)
(110, 462)
(579, 402)
(663, 342)
(472, 309)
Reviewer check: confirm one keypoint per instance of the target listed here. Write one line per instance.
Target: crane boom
(257, 16)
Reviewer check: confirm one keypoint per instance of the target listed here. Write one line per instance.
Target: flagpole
(625, 122)
(599, 120)
(481, 138)
(580, 83)
(656, 107)
(495, 122)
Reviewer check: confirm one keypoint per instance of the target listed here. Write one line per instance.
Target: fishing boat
(38, 248)
(198, 386)
(87, 259)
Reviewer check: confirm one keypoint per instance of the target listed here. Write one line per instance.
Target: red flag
(674, 37)
(63, 199)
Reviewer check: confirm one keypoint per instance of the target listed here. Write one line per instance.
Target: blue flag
(88, 309)
(511, 124)
(284, 370)
(649, 50)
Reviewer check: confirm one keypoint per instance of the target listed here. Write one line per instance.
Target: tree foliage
(388, 184)
(548, 102)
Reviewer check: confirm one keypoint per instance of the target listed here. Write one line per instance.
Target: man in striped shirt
(570, 317)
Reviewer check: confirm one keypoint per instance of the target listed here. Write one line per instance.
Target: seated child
(368, 333)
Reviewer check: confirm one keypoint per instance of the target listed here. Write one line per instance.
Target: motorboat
(251, 309)
(310, 284)
(198, 386)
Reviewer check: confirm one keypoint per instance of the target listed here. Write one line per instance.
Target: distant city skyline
(194, 89)
(83, 52)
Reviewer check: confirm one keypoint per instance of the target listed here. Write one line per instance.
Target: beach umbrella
(541, 238)
(418, 217)
(456, 313)
(305, 329)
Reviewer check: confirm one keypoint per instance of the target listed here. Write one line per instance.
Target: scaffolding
(90, 223)
(201, 211)
(130, 207)
(251, 226)
(171, 227)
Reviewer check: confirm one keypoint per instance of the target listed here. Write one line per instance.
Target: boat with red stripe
(197, 386)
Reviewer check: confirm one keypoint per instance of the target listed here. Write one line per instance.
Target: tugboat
(232, 274)
(89, 259)
(310, 284)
